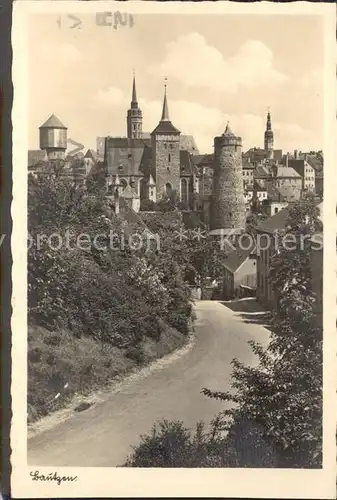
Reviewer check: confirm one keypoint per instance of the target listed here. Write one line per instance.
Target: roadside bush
(171, 444)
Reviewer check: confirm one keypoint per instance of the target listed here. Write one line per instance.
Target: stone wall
(228, 209)
(166, 171)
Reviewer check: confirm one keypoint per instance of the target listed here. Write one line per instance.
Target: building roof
(35, 156)
(166, 127)
(275, 223)
(188, 143)
(53, 122)
(261, 172)
(91, 153)
(238, 256)
(274, 194)
(259, 187)
(187, 167)
(127, 156)
(129, 193)
(203, 160)
(286, 172)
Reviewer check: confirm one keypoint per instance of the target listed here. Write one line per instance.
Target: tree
(283, 394)
(290, 269)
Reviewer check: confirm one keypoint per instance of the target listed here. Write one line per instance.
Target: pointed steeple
(165, 126)
(134, 116)
(269, 136)
(165, 114)
(134, 92)
(268, 127)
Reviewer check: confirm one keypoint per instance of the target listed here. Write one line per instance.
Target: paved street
(102, 435)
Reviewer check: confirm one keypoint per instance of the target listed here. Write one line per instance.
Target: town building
(287, 181)
(274, 202)
(240, 270)
(306, 171)
(266, 234)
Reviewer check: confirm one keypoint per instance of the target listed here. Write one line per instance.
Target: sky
(219, 68)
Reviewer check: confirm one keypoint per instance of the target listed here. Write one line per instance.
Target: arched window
(184, 191)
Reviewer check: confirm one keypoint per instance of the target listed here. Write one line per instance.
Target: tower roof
(134, 92)
(268, 127)
(165, 125)
(53, 122)
(228, 131)
(165, 113)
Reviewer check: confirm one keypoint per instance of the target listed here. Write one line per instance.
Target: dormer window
(120, 167)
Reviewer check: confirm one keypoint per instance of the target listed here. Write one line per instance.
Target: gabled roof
(275, 223)
(236, 258)
(91, 153)
(53, 122)
(35, 156)
(259, 187)
(129, 193)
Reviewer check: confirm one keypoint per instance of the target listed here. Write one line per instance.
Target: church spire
(134, 116)
(165, 114)
(134, 92)
(269, 136)
(268, 120)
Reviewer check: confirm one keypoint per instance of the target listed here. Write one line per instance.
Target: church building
(150, 166)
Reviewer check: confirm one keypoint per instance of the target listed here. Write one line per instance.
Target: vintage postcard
(173, 244)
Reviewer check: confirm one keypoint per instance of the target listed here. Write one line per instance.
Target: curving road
(102, 435)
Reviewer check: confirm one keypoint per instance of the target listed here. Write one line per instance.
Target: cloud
(64, 53)
(314, 78)
(111, 97)
(192, 61)
(204, 123)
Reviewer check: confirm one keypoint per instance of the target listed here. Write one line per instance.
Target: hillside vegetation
(95, 309)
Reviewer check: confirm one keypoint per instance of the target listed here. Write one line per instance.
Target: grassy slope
(57, 358)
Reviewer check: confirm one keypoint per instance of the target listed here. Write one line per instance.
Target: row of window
(170, 145)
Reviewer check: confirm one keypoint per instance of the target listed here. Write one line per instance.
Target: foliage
(290, 269)
(283, 393)
(171, 444)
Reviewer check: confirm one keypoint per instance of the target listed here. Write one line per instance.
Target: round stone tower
(228, 210)
(53, 138)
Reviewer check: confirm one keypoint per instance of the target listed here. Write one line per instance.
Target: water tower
(53, 138)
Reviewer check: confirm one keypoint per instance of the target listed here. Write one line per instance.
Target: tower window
(169, 157)
(171, 146)
(165, 146)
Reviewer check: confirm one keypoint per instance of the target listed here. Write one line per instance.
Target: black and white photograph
(173, 172)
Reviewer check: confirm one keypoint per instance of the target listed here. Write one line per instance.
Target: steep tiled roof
(53, 122)
(278, 221)
(188, 143)
(35, 156)
(127, 156)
